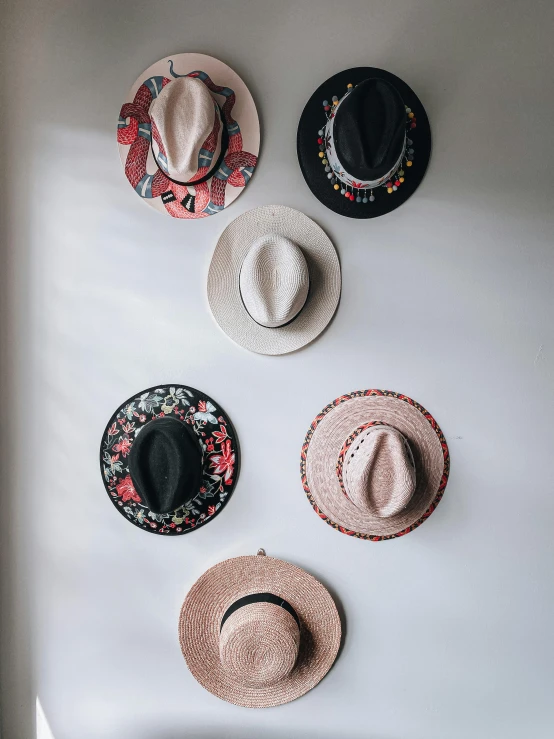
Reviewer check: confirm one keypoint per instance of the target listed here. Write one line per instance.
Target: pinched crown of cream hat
(274, 281)
(374, 464)
(259, 632)
(189, 135)
(184, 115)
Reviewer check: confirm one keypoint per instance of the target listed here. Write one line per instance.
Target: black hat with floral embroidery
(169, 459)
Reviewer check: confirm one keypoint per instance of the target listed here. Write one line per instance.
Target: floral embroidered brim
(219, 445)
(328, 440)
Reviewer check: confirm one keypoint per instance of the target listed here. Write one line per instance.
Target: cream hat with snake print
(274, 281)
(189, 136)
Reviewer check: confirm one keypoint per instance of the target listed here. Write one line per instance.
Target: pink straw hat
(259, 632)
(374, 464)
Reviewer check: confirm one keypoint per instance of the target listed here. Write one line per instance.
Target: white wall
(449, 299)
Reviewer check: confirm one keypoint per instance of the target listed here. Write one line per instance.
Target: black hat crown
(165, 464)
(369, 130)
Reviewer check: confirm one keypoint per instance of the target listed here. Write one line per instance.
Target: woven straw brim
(222, 585)
(223, 280)
(326, 439)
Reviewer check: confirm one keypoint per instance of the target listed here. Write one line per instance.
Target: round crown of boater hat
(169, 459)
(189, 136)
(259, 632)
(374, 464)
(274, 281)
(363, 142)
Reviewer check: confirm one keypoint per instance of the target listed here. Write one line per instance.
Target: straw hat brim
(244, 115)
(224, 289)
(313, 119)
(323, 444)
(226, 582)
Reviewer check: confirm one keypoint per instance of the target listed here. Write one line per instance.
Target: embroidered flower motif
(126, 490)
(224, 463)
(123, 445)
(140, 515)
(205, 412)
(149, 401)
(129, 410)
(221, 434)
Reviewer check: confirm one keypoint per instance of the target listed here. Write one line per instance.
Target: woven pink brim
(326, 438)
(226, 582)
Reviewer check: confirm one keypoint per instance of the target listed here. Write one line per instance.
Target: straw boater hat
(274, 281)
(259, 632)
(374, 464)
(169, 459)
(363, 142)
(189, 135)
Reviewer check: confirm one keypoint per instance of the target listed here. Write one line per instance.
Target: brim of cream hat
(246, 129)
(224, 289)
(326, 438)
(222, 585)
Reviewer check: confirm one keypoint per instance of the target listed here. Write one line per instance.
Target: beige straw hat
(274, 281)
(374, 464)
(259, 632)
(189, 136)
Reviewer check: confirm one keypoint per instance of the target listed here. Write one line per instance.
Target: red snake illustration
(135, 129)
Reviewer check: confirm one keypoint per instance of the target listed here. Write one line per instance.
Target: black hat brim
(313, 119)
(208, 421)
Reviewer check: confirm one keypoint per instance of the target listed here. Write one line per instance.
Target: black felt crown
(165, 464)
(369, 130)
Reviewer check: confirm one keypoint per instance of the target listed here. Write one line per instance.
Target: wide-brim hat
(269, 226)
(320, 158)
(189, 149)
(259, 632)
(190, 451)
(334, 439)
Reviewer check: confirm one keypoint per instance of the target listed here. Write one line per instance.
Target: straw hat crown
(379, 472)
(258, 644)
(184, 115)
(274, 280)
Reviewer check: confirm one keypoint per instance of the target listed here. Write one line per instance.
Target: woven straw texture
(220, 587)
(223, 280)
(274, 281)
(378, 472)
(259, 643)
(326, 440)
(184, 114)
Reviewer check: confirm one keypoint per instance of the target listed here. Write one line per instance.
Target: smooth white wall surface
(448, 299)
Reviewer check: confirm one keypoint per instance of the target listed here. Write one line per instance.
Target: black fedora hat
(363, 142)
(169, 459)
